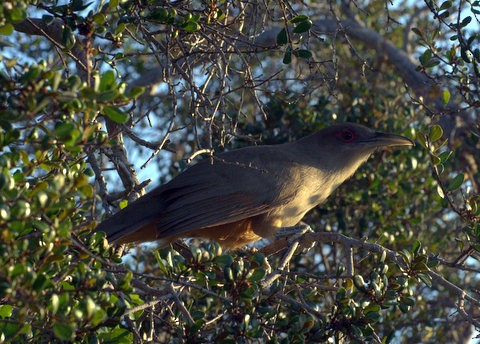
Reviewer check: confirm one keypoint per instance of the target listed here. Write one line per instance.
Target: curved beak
(380, 139)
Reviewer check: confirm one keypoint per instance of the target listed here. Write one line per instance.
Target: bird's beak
(380, 139)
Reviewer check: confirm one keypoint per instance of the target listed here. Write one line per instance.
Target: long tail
(136, 222)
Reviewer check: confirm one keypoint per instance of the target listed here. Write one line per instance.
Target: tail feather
(128, 221)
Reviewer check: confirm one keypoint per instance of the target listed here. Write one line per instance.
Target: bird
(240, 196)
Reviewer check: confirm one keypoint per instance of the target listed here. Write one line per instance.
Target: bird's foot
(294, 234)
(247, 250)
(288, 238)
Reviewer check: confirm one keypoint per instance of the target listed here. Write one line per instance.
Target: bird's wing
(209, 195)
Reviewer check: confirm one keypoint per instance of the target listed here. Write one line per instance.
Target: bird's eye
(346, 135)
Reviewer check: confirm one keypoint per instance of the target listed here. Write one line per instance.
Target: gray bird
(241, 196)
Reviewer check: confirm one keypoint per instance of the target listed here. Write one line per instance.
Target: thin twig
(278, 271)
(299, 305)
(181, 306)
(148, 304)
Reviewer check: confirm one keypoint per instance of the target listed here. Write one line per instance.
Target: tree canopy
(100, 101)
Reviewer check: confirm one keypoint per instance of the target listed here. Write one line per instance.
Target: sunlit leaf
(6, 29)
(115, 114)
(303, 26)
(446, 97)
(436, 132)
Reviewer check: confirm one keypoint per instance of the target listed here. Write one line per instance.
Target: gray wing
(208, 195)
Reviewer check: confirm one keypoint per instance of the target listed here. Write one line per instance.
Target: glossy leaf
(436, 132)
(63, 331)
(456, 182)
(287, 57)
(6, 29)
(303, 26)
(282, 37)
(446, 97)
(115, 114)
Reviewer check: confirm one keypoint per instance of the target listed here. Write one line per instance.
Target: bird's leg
(247, 250)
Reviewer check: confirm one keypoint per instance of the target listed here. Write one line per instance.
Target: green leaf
(39, 283)
(117, 335)
(79, 5)
(359, 282)
(5, 311)
(416, 246)
(63, 331)
(16, 15)
(287, 58)
(107, 80)
(68, 38)
(436, 132)
(446, 97)
(258, 259)
(445, 156)
(456, 182)
(107, 96)
(445, 5)
(464, 54)
(135, 92)
(299, 18)
(123, 203)
(444, 15)
(115, 114)
(225, 259)
(98, 316)
(425, 57)
(466, 21)
(67, 132)
(86, 190)
(440, 191)
(425, 279)
(6, 29)
(422, 140)
(257, 275)
(99, 18)
(191, 26)
(303, 26)
(373, 316)
(303, 53)
(159, 14)
(407, 256)
(409, 300)
(435, 160)
(120, 28)
(417, 31)
(282, 37)
(383, 257)
(54, 303)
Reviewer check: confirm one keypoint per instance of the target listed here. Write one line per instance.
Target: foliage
(88, 89)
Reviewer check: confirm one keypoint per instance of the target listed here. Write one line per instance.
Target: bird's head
(351, 135)
(348, 145)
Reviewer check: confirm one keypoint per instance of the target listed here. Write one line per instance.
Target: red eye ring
(347, 135)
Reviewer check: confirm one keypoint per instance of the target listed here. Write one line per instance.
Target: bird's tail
(135, 223)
